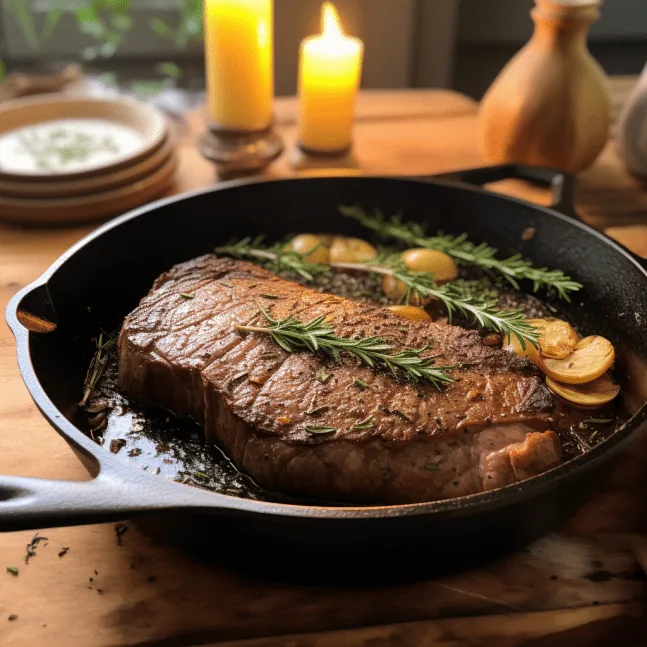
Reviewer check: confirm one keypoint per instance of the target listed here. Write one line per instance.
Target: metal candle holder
(238, 153)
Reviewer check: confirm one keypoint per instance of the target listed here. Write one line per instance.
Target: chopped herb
(268, 296)
(120, 530)
(201, 475)
(13, 616)
(184, 295)
(365, 424)
(228, 284)
(270, 355)
(593, 435)
(432, 467)
(360, 383)
(32, 546)
(317, 411)
(404, 331)
(13, 570)
(323, 377)
(399, 414)
(321, 430)
(597, 421)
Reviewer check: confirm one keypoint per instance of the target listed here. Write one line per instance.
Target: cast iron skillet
(98, 281)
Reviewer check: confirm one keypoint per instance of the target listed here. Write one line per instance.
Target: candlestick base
(240, 153)
(314, 162)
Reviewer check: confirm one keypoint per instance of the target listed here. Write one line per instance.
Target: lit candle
(239, 59)
(329, 76)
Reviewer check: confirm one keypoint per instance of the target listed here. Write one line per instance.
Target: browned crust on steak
(256, 400)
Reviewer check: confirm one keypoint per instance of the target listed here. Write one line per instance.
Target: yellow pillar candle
(329, 76)
(239, 59)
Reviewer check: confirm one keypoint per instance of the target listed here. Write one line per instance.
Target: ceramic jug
(550, 106)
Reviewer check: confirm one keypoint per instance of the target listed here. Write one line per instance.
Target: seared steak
(395, 441)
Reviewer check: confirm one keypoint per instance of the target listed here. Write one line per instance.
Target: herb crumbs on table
(120, 530)
(360, 383)
(13, 570)
(63, 551)
(184, 295)
(32, 546)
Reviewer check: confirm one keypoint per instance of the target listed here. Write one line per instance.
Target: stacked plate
(72, 159)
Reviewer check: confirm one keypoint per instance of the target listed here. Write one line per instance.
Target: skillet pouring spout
(101, 279)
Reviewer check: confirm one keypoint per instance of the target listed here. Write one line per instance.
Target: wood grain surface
(581, 586)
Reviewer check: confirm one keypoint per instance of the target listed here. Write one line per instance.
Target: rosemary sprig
(482, 310)
(474, 304)
(294, 335)
(513, 269)
(276, 258)
(104, 342)
(472, 301)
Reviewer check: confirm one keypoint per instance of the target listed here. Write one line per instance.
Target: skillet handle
(32, 503)
(563, 184)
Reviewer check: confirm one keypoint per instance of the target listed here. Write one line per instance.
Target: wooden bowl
(94, 206)
(147, 122)
(110, 179)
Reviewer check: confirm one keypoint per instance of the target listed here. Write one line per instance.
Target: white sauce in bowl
(67, 146)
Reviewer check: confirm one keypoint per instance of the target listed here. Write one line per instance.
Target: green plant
(23, 16)
(107, 22)
(187, 29)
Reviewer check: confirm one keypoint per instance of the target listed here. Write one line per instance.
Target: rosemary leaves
(464, 297)
(293, 335)
(512, 269)
(276, 258)
(104, 342)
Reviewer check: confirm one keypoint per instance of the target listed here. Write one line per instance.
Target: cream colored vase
(550, 106)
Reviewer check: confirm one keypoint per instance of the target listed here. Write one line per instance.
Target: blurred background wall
(460, 44)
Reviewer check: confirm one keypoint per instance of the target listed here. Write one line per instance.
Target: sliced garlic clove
(588, 396)
(441, 265)
(591, 358)
(351, 250)
(312, 247)
(411, 312)
(557, 338)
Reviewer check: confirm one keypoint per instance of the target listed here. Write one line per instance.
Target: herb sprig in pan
(513, 269)
(276, 258)
(294, 335)
(104, 342)
(458, 296)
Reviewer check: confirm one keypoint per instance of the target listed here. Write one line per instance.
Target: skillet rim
(112, 466)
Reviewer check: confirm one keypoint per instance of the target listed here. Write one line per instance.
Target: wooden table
(580, 586)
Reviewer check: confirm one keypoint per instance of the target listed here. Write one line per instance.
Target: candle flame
(330, 22)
